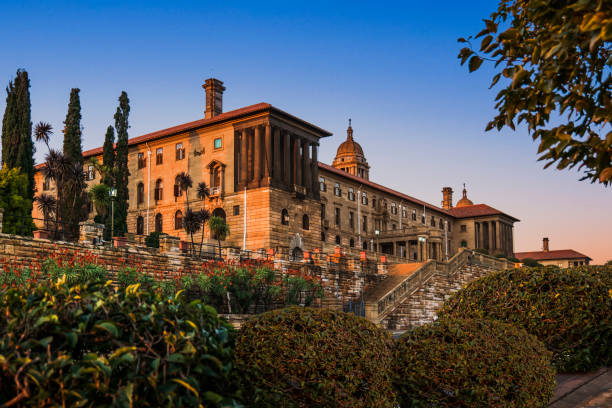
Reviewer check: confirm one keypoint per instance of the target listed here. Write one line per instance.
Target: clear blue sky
(391, 67)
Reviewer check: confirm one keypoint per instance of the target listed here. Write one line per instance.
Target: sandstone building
(563, 258)
(261, 165)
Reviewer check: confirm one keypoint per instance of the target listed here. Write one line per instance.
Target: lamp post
(113, 194)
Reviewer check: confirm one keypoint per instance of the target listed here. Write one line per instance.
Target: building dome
(465, 201)
(350, 157)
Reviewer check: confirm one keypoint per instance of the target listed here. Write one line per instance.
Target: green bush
(472, 363)
(306, 357)
(93, 345)
(569, 310)
(532, 263)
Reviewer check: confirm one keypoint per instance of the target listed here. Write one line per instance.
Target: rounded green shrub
(471, 363)
(93, 345)
(569, 310)
(306, 357)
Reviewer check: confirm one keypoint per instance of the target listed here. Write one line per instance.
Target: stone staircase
(412, 293)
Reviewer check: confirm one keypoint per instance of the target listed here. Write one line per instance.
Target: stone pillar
(287, 158)
(276, 172)
(268, 153)
(476, 235)
(306, 177)
(315, 174)
(257, 160)
(297, 169)
(244, 158)
(222, 181)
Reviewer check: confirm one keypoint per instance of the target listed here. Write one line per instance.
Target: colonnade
(493, 235)
(270, 155)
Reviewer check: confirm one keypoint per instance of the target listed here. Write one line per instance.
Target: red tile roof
(477, 210)
(551, 255)
(247, 110)
(360, 180)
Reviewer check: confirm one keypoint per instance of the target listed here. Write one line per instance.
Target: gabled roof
(477, 210)
(196, 124)
(551, 255)
(369, 183)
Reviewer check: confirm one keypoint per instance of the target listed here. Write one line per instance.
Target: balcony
(215, 191)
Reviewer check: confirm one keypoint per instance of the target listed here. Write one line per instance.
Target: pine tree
(17, 145)
(73, 152)
(121, 165)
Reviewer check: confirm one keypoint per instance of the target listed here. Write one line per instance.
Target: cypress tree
(17, 145)
(121, 164)
(108, 162)
(73, 152)
(108, 157)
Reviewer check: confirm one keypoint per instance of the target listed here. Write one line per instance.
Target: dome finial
(465, 201)
(349, 131)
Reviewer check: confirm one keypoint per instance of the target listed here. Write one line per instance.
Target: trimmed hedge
(306, 357)
(569, 310)
(93, 345)
(472, 363)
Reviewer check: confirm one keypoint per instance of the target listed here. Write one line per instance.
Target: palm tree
(204, 217)
(192, 224)
(56, 166)
(219, 229)
(184, 182)
(203, 192)
(74, 184)
(43, 132)
(100, 196)
(47, 204)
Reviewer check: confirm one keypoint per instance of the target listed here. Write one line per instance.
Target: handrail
(377, 310)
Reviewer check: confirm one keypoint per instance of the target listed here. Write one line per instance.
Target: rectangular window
(337, 191)
(180, 151)
(413, 215)
(337, 216)
(404, 213)
(218, 143)
(91, 173)
(364, 198)
(351, 220)
(46, 185)
(322, 211)
(236, 210)
(159, 155)
(463, 228)
(142, 163)
(351, 194)
(322, 185)
(365, 224)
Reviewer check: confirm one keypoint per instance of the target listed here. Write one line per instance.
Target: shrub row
(569, 310)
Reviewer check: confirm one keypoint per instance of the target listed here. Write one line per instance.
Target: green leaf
(109, 327)
(46, 319)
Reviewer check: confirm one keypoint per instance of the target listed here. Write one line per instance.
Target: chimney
(214, 97)
(545, 244)
(447, 198)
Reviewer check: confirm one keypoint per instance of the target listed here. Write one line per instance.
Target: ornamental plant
(472, 363)
(306, 357)
(90, 344)
(567, 309)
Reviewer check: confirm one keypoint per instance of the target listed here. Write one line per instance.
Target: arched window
(284, 217)
(337, 239)
(364, 198)
(139, 225)
(140, 193)
(441, 224)
(433, 221)
(177, 187)
(464, 243)
(158, 223)
(219, 212)
(178, 220)
(159, 190)
(393, 209)
(365, 245)
(322, 185)
(337, 191)
(305, 222)
(373, 203)
(351, 194)
(413, 215)
(352, 243)
(46, 184)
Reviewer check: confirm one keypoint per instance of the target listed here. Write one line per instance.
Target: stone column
(244, 158)
(257, 161)
(287, 158)
(306, 177)
(222, 181)
(297, 169)
(315, 173)
(268, 154)
(276, 172)
(476, 235)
